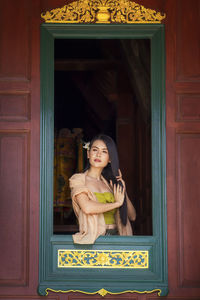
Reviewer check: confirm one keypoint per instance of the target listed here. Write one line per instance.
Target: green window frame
(145, 266)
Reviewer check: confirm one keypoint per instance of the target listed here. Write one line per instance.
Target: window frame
(52, 278)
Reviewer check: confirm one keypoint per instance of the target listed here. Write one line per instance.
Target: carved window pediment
(103, 11)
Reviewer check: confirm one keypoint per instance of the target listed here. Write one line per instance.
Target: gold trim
(121, 259)
(102, 292)
(103, 11)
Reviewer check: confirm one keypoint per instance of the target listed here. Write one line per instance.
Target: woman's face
(98, 154)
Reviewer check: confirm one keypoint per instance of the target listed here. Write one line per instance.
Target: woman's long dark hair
(112, 169)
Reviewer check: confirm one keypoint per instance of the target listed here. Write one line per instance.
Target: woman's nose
(98, 153)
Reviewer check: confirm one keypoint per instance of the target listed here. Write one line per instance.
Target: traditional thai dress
(91, 226)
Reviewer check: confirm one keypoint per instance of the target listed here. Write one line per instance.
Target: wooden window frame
(104, 280)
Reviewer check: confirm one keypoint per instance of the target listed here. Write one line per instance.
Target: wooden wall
(19, 148)
(183, 146)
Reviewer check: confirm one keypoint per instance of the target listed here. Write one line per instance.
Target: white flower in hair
(86, 145)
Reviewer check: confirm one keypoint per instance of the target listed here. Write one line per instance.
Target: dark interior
(103, 86)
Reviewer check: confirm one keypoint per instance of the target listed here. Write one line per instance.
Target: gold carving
(103, 259)
(103, 292)
(103, 11)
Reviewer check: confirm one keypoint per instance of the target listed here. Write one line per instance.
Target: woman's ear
(88, 154)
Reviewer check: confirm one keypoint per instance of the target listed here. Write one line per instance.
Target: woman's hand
(119, 178)
(119, 193)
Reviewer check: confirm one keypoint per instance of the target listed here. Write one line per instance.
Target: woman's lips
(97, 160)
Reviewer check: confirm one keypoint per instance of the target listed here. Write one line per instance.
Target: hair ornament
(86, 145)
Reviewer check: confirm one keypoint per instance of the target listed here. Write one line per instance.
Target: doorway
(102, 86)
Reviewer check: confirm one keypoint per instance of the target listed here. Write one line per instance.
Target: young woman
(99, 196)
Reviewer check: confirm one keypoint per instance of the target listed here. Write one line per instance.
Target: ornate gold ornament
(103, 11)
(103, 259)
(103, 292)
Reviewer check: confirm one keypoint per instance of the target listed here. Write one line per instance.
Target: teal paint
(112, 280)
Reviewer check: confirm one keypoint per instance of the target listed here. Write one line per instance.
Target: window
(146, 266)
(102, 86)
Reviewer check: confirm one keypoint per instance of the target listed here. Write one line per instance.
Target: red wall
(19, 148)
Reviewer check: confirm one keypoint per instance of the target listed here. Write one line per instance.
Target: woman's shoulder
(77, 178)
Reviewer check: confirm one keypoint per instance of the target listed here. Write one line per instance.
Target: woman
(99, 193)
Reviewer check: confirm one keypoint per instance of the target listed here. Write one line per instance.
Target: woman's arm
(91, 207)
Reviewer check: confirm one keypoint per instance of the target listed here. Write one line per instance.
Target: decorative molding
(187, 175)
(103, 11)
(15, 168)
(186, 45)
(188, 107)
(16, 51)
(103, 259)
(15, 106)
(103, 292)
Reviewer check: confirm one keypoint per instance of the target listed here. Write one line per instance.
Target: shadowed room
(103, 86)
